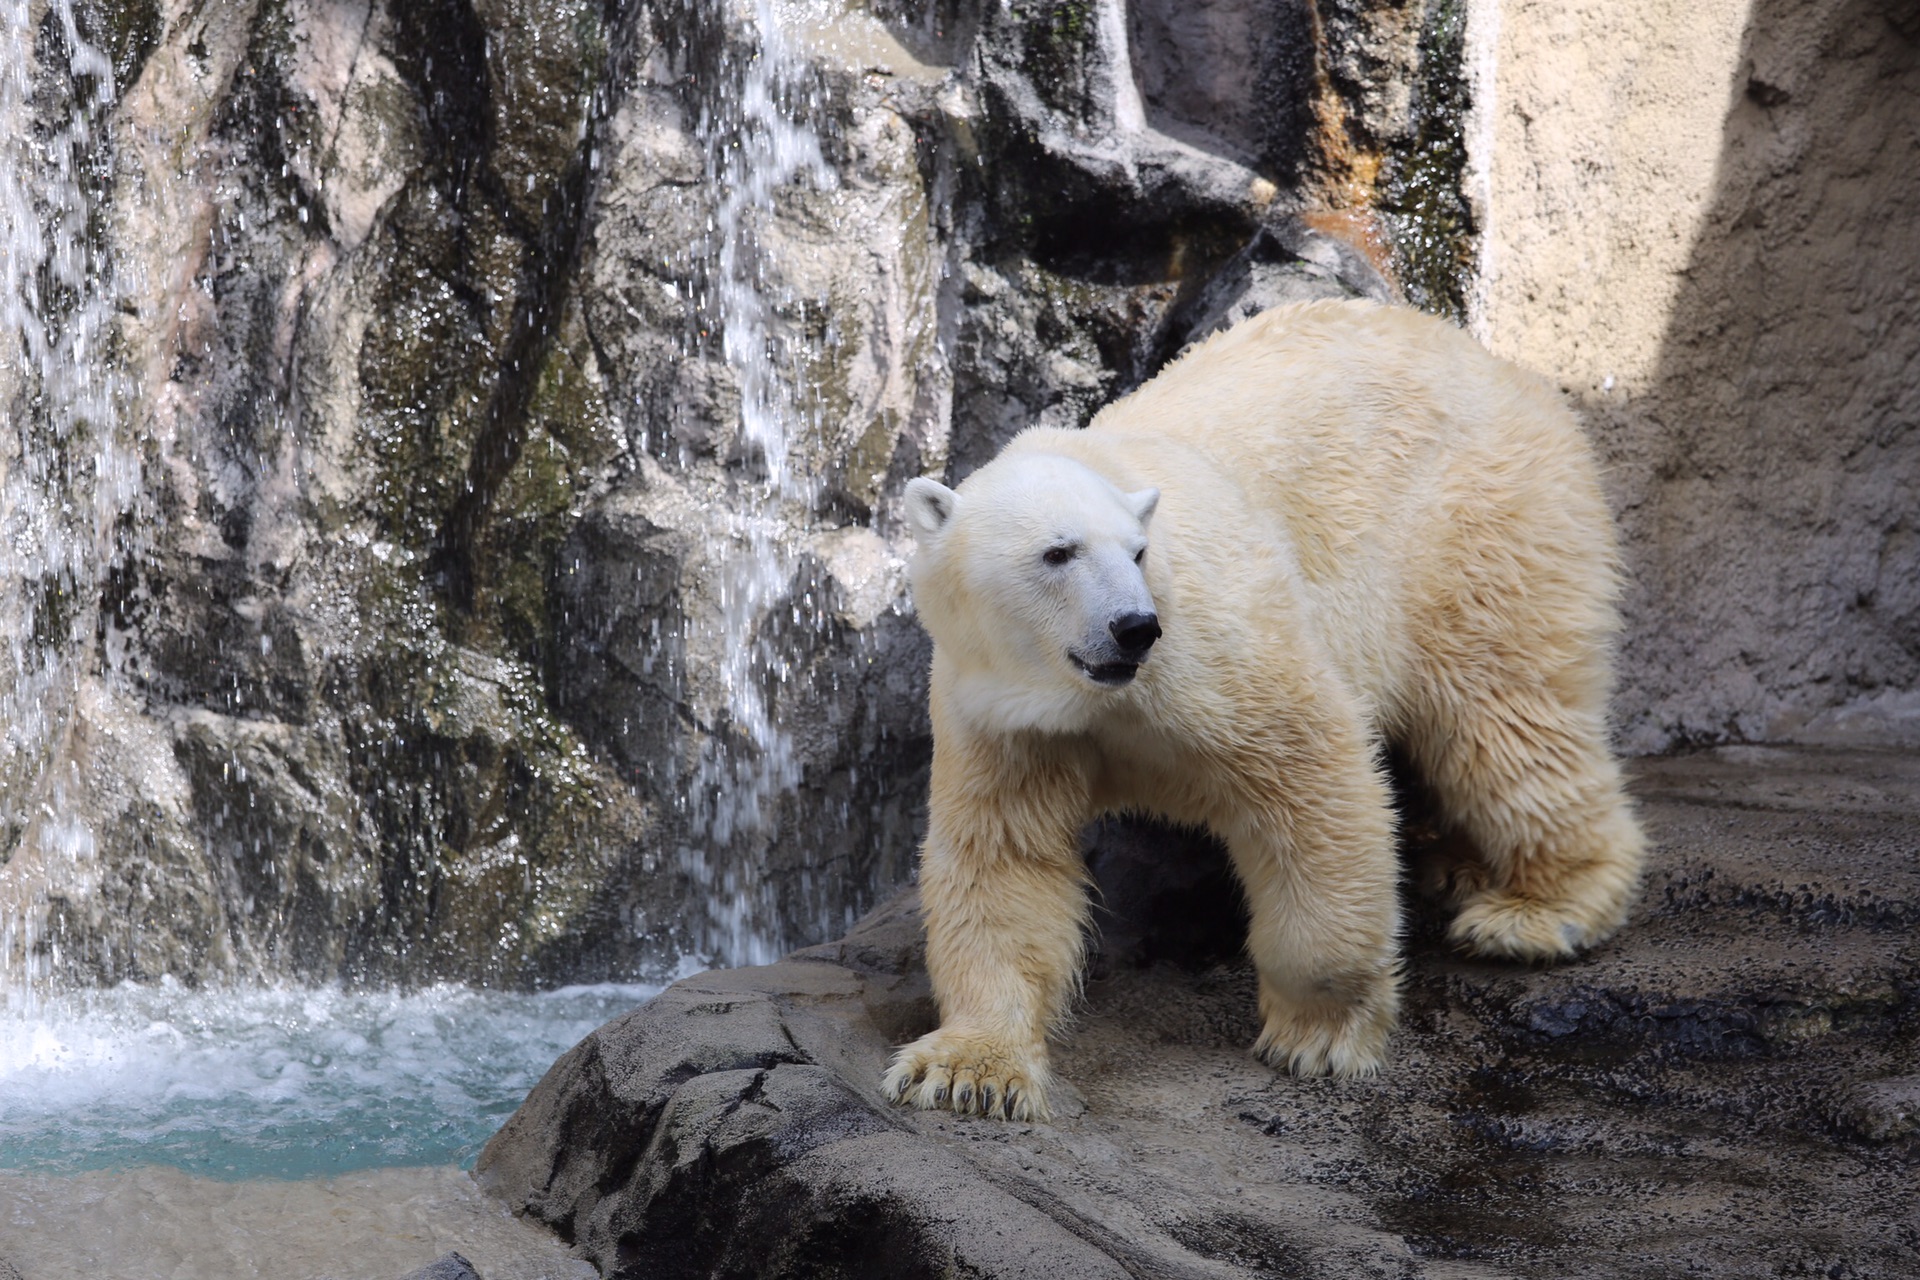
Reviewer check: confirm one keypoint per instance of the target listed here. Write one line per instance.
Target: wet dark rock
(448, 1266)
(1882, 1110)
(1724, 1089)
(1284, 262)
(725, 1129)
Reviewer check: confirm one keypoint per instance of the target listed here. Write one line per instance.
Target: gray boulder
(1724, 1089)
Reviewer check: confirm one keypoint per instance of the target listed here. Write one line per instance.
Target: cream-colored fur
(1368, 529)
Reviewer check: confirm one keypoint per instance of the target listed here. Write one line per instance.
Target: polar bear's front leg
(1321, 879)
(1002, 889)
(1004, 947)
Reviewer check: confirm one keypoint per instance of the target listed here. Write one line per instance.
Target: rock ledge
(1728, 1088)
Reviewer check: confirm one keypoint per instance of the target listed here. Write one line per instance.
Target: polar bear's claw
(969, 1075)
(1339, 1052)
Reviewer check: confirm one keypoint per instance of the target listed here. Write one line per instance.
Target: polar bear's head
(1032, 573)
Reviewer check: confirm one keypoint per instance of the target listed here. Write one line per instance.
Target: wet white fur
(1368, 529)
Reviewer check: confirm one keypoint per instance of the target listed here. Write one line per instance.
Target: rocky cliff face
(491, 566)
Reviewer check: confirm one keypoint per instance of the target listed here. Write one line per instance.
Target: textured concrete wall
(1704, 221)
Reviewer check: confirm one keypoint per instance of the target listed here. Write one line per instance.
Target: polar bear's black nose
(1135, 632)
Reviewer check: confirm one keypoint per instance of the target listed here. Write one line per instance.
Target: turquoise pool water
(282, 1083)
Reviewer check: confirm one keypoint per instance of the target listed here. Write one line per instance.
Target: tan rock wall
(1704, 221)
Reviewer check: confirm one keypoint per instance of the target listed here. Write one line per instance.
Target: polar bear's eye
(1140, 556)
(1057, 555)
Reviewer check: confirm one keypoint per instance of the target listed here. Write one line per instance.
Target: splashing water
(276, 1082)
(66, 478)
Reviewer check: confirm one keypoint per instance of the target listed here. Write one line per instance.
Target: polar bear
(1332, 527)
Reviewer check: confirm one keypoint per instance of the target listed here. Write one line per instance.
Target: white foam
(276, 1081)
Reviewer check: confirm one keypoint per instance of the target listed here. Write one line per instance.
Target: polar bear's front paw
(971, 1074)
(1345, 1039)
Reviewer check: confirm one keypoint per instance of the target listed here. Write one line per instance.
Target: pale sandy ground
(161, 1224)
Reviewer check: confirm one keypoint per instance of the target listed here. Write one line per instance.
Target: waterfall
(67, 481)
(757, 139)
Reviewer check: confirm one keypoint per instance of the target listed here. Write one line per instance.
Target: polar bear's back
(1435, 496)
(1355, 420)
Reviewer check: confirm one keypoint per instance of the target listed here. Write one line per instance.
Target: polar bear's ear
(1143, 503)
(930, 505)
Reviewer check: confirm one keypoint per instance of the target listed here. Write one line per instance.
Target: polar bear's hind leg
(1532, 784)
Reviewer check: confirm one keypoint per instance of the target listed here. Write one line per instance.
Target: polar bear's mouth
(1111, 674)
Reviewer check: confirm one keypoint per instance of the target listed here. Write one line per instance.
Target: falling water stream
(66, 475)
(757, 139)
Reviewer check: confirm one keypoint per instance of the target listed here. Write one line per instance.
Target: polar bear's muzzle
(1117, 660)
